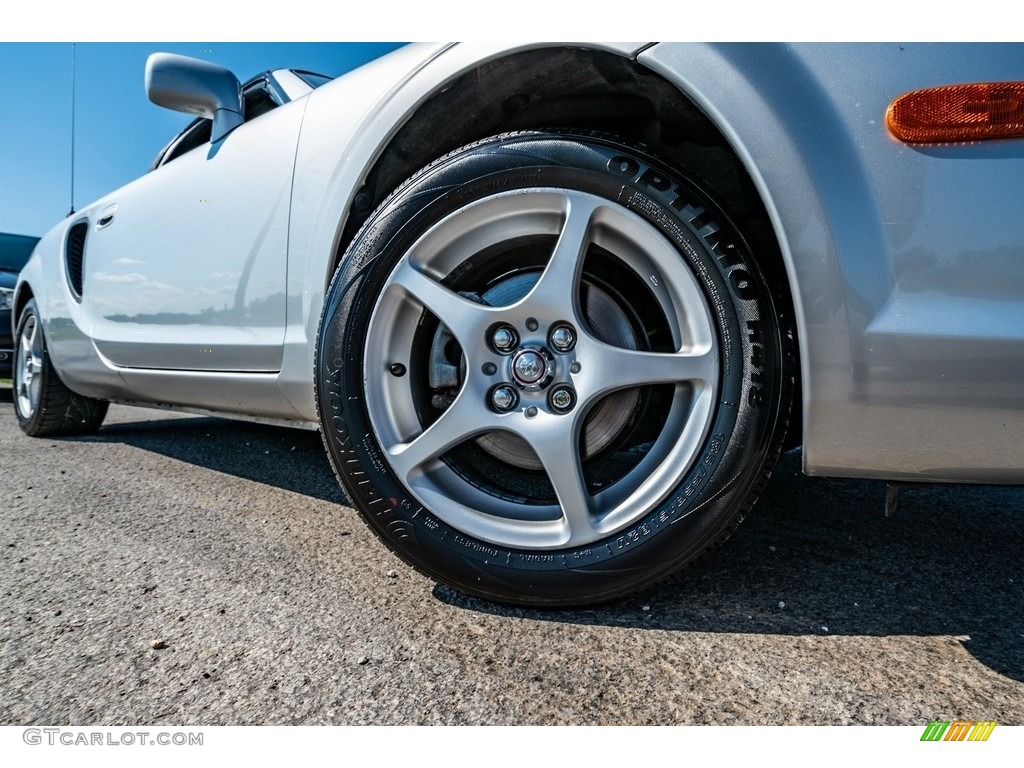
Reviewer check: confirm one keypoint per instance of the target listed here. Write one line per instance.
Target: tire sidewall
(712, 497)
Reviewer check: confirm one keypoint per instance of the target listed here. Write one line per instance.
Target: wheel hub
(607, 321)
(530, 368)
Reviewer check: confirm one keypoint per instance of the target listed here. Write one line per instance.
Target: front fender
(888, 352)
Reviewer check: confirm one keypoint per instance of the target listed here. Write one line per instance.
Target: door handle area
(106, 217)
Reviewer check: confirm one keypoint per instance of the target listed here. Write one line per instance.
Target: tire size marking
(494, 186)
(671, 513)
(755, 396)
(371, 454)
(475, 546)
(682, 238)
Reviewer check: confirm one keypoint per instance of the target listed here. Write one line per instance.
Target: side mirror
(196, 87)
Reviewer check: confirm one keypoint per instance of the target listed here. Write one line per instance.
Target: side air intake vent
(74, 256)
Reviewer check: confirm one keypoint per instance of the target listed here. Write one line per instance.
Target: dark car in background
(14, 252)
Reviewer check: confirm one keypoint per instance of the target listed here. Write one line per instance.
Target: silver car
(557, 309)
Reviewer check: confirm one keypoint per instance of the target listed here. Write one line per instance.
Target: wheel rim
(28, 366)
(546, 386)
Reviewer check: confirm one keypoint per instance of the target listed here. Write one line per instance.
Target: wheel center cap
(528, 366)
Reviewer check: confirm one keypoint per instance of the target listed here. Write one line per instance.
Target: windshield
(15, 250)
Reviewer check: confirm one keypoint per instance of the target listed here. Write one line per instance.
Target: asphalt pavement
(174, 570)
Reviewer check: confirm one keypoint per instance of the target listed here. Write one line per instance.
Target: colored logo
(958, 730)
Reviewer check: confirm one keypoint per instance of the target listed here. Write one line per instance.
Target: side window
(256, 100)
(194, 136)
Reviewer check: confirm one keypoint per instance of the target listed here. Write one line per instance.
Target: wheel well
(563, 87)
(23, 298)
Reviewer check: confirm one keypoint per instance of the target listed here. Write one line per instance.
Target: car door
(186, 266)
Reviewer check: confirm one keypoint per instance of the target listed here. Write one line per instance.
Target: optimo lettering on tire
(549, 371)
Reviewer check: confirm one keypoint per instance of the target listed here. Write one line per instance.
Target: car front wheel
(549, 370)
(42, 403)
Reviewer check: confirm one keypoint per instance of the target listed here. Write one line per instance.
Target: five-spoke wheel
(549, 370)
(536, 346)
(28, 365)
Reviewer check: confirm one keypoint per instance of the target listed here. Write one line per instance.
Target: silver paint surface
(906, 264)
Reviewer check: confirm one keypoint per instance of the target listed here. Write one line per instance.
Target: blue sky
(118, 131)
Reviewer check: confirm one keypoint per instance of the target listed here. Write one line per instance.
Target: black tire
(43, 404)
(661, 471)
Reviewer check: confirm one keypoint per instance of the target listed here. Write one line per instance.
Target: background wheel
(43, 404)
(549, 370)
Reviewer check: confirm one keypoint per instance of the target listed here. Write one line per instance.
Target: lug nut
(562, 338)
(504, 338)
(562, 399)
(504, 398)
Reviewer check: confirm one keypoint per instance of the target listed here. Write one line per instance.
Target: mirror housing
(197, 87)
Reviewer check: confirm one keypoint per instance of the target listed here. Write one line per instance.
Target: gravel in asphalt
(177, 570)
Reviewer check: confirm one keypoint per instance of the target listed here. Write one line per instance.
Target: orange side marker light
(957, 113)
